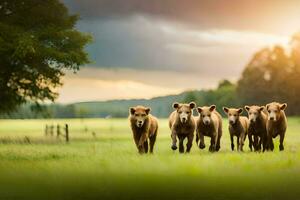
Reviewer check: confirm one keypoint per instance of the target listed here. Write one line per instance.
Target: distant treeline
(161, 106)
(271, 75)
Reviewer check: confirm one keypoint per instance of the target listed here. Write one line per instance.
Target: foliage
(272, 75)
(38, 41)
(224, 95)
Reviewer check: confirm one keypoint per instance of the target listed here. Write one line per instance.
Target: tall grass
(108, 166)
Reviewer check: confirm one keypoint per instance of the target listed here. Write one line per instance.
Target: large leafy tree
(38, 42)
(273, 75)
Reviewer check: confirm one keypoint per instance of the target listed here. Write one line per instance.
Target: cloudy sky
(146, 48)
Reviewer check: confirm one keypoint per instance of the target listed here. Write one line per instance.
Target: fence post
(67, 132)
(46, 130)
(58, 131)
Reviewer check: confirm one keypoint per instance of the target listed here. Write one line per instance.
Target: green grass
(108, 166)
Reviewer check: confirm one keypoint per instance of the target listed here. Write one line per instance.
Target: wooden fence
(49, 131)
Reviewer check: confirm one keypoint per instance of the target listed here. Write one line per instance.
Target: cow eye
(234, 115)
(208, 115)
(143, 115)
(250, 113)
(180, 112)
(188, 112)
(269, 111)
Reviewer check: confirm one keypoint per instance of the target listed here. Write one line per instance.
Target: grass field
(107, 166)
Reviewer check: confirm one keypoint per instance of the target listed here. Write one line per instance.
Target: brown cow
(238, 126)
(144, 126)
(276, 124)
(257, 128)
(182, 125)
(209, 124)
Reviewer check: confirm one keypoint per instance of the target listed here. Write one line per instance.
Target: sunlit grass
(108, 165)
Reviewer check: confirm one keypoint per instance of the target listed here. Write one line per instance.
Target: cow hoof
(174, 147)
(281, 148)
(141, 152)
(202, 146)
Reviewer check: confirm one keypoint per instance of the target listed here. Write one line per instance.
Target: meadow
(106, 165)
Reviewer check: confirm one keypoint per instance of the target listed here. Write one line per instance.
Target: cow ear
(148, 110)
(283, 106)
(267, 106)
(199, 109)
(225, 109)
(132, 110)
(212, 108)
(261, 108)
(175, 105)
(247, 108)
(192, 105)
(240, 110)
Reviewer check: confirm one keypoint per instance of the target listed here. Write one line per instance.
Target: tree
(225, 83)
(190, 96)
(270, 76)
(293, 90)
(38, 42)
(223, 95)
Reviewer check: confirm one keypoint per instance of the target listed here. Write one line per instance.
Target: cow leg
(174, 140)
(146, 146)
(281, 147)
(264, 142)
(218, 146)
(242, 139)
(271, 143)
(213, 139)
(136, 140)
(201, 144)
(181, 147)
(189, 143)
(152, 142)
(232, 142)
(250, 141)
(256, 143)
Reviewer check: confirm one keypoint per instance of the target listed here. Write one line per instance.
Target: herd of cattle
(262, 125)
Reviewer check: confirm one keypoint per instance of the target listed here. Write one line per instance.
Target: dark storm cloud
(177, 35)
(143, 43)
(167, 46)
(229, 14)
(132, 43)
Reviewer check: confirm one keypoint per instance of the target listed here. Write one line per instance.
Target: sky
(144, 49)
